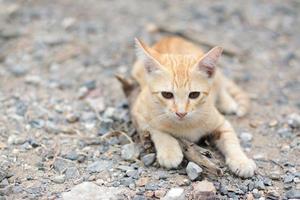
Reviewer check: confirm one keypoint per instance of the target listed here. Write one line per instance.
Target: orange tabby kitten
(181, 89)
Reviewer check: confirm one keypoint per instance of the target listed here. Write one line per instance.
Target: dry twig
(228, 50)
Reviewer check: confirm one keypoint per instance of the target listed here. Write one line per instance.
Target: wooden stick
(194, 37)
(200, 156)
(191, 151)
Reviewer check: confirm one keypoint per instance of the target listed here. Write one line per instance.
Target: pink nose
(181, 115)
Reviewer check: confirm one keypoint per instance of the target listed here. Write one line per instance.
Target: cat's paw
(170, 158)
(229, 108)
(243, 167)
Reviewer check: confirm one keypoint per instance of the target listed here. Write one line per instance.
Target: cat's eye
(194, 95)
(167, 95)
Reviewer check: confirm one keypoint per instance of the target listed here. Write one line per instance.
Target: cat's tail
(241, 97)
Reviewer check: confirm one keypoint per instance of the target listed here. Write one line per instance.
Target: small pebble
(267, 181)
(203, 189)
(130, 152)
(259, 184)
(294, 120)
(288, 178)
(72, 118)
(246, 137)
(72, 155)
(15, 140)
(99, 166)
(59, 179)
(148, 159)
(293, 194)
(193, 170)
(175, 194)
(159, 193)
(256, 193)
(273, 123)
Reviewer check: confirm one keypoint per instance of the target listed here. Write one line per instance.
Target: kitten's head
(179, 83)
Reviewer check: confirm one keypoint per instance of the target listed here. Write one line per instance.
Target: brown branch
(228, 50)
(191, 151)
(200, 156)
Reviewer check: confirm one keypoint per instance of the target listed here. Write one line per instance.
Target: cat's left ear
(148, 56)
(207, 63)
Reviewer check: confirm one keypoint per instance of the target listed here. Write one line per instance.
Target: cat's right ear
(147, 55)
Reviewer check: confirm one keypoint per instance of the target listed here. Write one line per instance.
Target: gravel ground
(58, 98)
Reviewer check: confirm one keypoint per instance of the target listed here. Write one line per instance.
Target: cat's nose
(181, 114)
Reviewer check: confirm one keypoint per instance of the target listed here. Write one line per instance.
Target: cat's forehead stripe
(180, 70)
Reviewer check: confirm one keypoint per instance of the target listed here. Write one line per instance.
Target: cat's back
(176, 45)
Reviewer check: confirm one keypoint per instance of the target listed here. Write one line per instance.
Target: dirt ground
(58, 94)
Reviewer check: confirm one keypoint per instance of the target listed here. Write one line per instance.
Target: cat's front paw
(243, 167)
(170, 158)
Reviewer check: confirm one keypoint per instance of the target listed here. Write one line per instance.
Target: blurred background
(58, 93)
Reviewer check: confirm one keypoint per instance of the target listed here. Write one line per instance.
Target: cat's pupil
(167, 95)
(194, 95)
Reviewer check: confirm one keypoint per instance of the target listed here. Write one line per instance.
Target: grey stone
(105, 127)
(275, 175)
(72, 117)
(72, 173)
(54, 39)
(127, 181)
(26, 146)
(59, 179)
(125, 168)
(72, 155)
(37, 123)
(256, 193)
(109, 112)
(223, 189)
(18, 70)
(239, 191)
(21, 108)
(293, 194)
(175, 194)
(139, 197)
(193, 170)
(4, 183)
(288, 178)
(231, 195)
(90, 84)
(91, 191)
(285, 132)
(267, 181)
(81, 158)
(294, 120)
(151, 186)
(33, 143)
(259, 184)
(15, 140)
(34, 190)
(132, 173)
(60, 165)
(163, 175)
(148, 159)
(99, 166)
(130, 151)
(204, 190)
(246, 137)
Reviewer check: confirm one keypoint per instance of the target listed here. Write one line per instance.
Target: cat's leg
(169, 153)
(226, 104)
(240, 98)
(228, 143)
